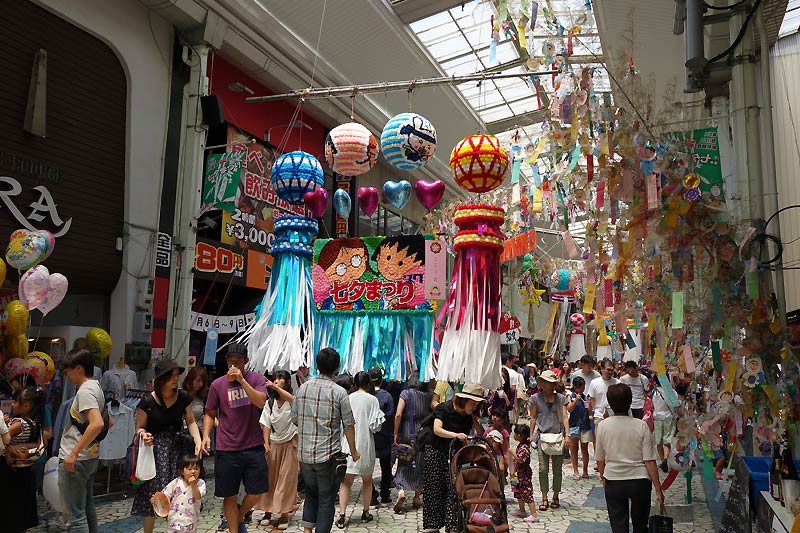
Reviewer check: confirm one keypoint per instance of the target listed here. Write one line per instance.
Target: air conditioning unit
(142, 327)
(137, 354)
(144, 293)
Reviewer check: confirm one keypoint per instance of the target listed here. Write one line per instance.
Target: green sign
(703, 147)
(223, 173)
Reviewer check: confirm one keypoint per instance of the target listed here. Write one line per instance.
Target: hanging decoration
(397, 192)
(429, 193)
(470, 350)
(408, 141)
(317, 201)
(282, 335)
(368, 200)
(479, 163)
(350, 149)
(342, 203)
(294, 174)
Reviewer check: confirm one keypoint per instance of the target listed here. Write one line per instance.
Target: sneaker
(518, 513)
(531, 519)
(386, 500)
(223, 525)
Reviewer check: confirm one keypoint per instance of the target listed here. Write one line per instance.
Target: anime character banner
(370, 298)
(370, 273)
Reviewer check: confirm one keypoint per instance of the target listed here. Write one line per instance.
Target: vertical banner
(210, 351)
(677, 310)
(435, 269)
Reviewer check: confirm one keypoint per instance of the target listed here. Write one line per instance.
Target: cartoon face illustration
(420, 140)
(397, 257)
(330, 150)
(753, 364)
(344, 260)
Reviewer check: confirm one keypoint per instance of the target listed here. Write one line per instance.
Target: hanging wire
(319, 40)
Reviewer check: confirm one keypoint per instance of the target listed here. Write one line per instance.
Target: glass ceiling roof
(460, 40)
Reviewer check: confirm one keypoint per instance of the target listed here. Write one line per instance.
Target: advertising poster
(703, 145)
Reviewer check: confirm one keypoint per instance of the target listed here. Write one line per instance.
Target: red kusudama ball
(479, 163)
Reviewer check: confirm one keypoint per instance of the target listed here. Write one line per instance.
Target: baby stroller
(474, 474)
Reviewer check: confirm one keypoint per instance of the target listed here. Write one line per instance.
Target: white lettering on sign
(44, 207)
(163, 250)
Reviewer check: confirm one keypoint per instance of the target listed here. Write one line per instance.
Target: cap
(165, 367)
(375, 374)
(237, 348)
(549, 376)
(495, 436)
(471, 391)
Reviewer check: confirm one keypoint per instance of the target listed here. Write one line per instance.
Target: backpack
(425, 434)
(83, 426)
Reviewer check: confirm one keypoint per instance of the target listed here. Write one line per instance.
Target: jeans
(322, 489)
(77, 496)
(621, 494)
(544, 467)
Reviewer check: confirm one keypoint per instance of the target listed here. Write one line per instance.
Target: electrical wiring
(740, 36)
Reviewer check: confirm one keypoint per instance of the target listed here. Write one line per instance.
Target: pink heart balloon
(368, 200)
(317, 201)
(429, 193)
(33, 287)
(55, 293)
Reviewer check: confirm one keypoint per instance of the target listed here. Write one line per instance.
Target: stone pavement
(582, 511)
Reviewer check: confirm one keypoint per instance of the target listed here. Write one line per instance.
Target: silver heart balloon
(397, 192)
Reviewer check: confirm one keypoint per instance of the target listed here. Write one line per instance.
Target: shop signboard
(217, 261)
(703, 147)
(223, 175)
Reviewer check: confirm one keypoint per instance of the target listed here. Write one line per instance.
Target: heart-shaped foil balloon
(429, 193)
(39, 289)
(368, 200)
(317, 201)
(397, 192)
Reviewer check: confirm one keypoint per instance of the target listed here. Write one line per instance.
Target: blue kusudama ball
(408, 141)
(294, 174)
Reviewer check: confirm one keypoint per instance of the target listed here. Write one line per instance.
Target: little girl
(24, 428)
(523, 490)
(185, 494)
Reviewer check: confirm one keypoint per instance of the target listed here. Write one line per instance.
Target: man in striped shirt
(321, 410)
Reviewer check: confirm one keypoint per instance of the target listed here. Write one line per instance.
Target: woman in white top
(369, 419)
(626, 458)
(280, 446)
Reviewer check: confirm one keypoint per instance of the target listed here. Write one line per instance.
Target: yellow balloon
(46, 362)
(2, 271)
(16, 318)
(18, 345)
(99, 342)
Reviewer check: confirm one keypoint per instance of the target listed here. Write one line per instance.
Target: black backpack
(425, 434)
(83, 426)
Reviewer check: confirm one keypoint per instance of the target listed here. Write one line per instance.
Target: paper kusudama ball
(294, 174)
(408, 141)
(479, 163)
(350, 149)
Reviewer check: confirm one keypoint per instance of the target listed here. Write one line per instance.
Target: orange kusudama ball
(479, 163)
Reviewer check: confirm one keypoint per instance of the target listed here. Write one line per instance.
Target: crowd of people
(282, 437)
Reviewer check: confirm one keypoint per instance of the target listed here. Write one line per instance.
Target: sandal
(417, 503)
(543, 506)
(340, 521)
(366, 516)
(555, 504)
(576, 477)
(398, 505)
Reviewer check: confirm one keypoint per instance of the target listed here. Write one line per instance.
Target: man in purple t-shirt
(236, 400)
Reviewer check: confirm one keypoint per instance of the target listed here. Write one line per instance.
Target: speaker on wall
(213, 114)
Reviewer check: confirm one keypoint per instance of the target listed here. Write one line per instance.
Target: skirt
(409, 475)
(18, 506)
(167, 449)
(284, 468)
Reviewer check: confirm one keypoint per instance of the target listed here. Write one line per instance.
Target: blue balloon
(398, 193)
(342, 203)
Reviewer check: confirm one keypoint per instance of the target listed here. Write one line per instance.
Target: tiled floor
(582, 511)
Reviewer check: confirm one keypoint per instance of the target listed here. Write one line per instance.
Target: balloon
(33, 286)
(18, 345)
(27, 249)
(342, 203)
(368, 200)
(47, 361)
(36, 368)
(17, 317)
(317, 201)
(13, 367)
(98, 342)
(2, 272)
(50, 484)
(429, 193)
(57, 289)
(398, 193)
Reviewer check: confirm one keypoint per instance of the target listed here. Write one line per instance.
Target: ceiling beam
(413, 10)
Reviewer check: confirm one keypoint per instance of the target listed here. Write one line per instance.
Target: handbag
(25, 454)
(405, 452)
(660, 523)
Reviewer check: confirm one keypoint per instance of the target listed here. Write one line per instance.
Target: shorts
(248, 466)
(664, 430)
(720, 453)
(585, 436)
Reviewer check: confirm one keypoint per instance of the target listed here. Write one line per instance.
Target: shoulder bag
(553, 443)
(405, 452)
